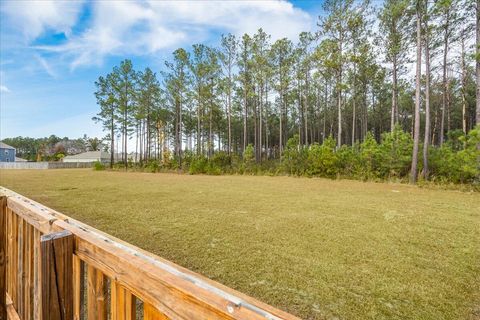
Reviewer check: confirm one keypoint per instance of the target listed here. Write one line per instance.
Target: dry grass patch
(316, 248)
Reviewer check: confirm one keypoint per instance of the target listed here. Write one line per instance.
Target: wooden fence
(54, 267)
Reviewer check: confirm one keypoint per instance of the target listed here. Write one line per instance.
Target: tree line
(52, 148)
(352, 80)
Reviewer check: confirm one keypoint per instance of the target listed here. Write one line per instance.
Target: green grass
(313, 247)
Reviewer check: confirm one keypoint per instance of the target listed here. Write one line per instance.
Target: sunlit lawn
(313, 247)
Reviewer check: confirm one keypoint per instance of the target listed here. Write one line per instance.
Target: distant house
(89, 156)
(7, 153)
(17, 159)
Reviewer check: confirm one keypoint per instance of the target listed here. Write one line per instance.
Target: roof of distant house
(17, 159)
(5, 146)
(90, 155)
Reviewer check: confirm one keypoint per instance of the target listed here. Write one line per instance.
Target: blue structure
(7, 153)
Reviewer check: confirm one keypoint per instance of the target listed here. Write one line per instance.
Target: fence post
(3, 258)
(56, 250)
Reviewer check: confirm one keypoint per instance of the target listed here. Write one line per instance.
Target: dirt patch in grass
(316, 248)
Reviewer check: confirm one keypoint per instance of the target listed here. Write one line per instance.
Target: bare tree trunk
(478, 67)
(199, 133)
(394, 115)
(180, 132)
(255, 126)
(416, 132)
(306, 107)
(339, 110)
(353, 102)
(112, 140)
(365, 114)
(210, 131)
(245, 120)
(282, 101)
(325, 108)
(464, 86)
(260, 123)
(339, 107)
(445, 80)
(138, 139)
(229, 115)
(426, 142)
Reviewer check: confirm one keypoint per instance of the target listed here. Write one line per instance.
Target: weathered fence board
(3, 258)
(57, 269)
(101, 277)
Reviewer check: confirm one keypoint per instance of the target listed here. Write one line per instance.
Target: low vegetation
(317, 248)
(455, 162)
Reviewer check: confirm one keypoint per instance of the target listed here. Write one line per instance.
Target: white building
(89, 156)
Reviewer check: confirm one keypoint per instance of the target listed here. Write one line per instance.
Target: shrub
(198, 165)
(395, 154)
(98, 166)
(221, 160)
(152, 166)
(294, 156)
(369, 158)
(322, 159)
(249, 159)
(458, 167)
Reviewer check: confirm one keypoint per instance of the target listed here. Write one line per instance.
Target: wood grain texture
(96, 299)
(150, 313)
(78, 287)
(3, 258)
(57, 270)
(37, 277)
(11, 312)
(122, 303)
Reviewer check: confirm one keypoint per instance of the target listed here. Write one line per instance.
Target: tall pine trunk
(445, 80)
(245, 119)
(478, 66)
(229, 111)
(339, 99)
(353, 103)
(394, 112)
(112, 138)
(199, 133)
(464, 86)
(426, 142)
(416, 131)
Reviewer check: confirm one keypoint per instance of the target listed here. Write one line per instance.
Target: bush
(369, 158)
(347, 162)
(446, 165)
(249, 159)
(98, 166)
(221, 160)
(294, 156)
(152, 166)
(395, 153)
(198, 165)
(322, 159)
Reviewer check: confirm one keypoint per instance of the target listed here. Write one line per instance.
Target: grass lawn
(313, 247)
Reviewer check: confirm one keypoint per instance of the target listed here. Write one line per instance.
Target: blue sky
(51, 52)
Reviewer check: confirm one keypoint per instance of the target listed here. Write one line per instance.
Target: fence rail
(55, 267)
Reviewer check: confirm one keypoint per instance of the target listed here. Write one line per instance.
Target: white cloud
(4, 89)
(33, 18)
(46, 66)
(144, 28)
